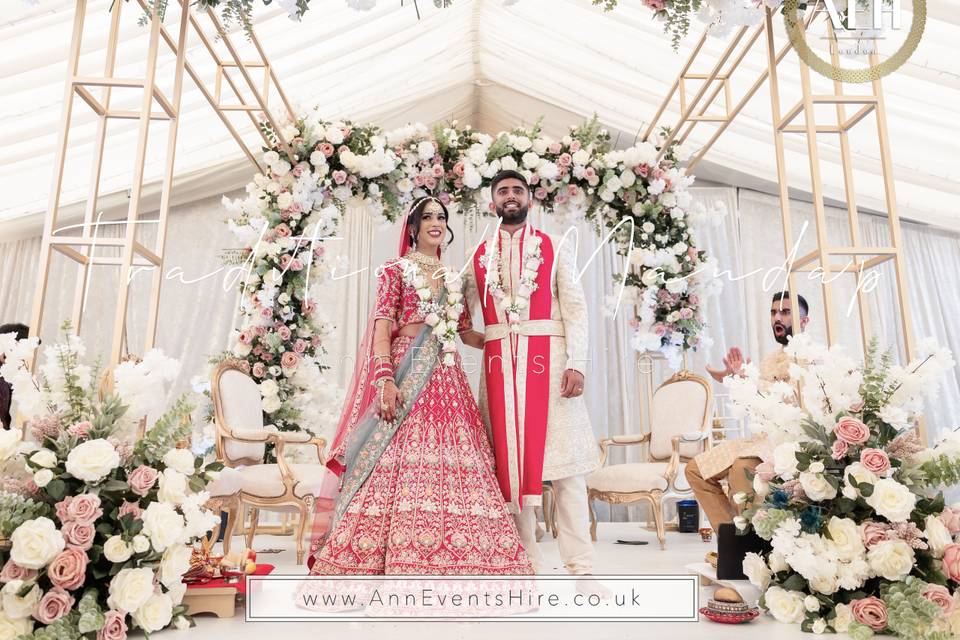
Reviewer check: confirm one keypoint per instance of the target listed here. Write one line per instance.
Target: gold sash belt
(524, 328)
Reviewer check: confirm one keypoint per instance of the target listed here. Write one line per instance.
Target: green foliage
(16, 509)
(170, 429)
(909, 614)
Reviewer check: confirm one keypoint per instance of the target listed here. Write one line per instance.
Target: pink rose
(839, 449)
(871, 612)
(418, 180)
(267, 357)
(940, 596)
(857, 407)
(259, 370)
(114, 626)
(300, 346)
(339, 176)
(554, 148)
(430, 183)
(951, 519)
(438, 171)
(589, 173)
(289, 360)
(565, 160)
(851, 430)
(68, 569)
(458, 183)
(535, 179)
(130, 508)
(54, 604)
(458, 169)
(951, 561)
(141, 479)
(284, 332)
(78, 535)
(245, 337)
(686, 313)
(575, 146)
(80, 430)
(307, 307)
(282, 230)
(656, 5)
(12, 571)
(285, 215)
(326, 149)
(266, 313)
(873, 533)
(560, 198)
(573, 190)
(83, 509)
(642, 170)
(540, 194)
(659, 174)
(445, 198)
(875, 460)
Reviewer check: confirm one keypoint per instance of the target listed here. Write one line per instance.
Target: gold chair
(680, 424)
(241, 439)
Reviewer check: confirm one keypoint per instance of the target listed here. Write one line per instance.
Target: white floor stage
(611, 558)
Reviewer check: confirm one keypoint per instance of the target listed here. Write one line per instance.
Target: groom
(535, 352)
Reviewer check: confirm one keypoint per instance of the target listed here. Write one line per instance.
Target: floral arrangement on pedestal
(98, 527)
(862, 541)
(640, 194)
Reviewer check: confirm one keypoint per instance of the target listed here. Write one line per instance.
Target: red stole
(524, 460)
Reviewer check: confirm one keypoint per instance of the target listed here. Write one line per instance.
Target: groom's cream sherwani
(520, 397)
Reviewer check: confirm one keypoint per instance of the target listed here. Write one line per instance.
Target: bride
(418, 494)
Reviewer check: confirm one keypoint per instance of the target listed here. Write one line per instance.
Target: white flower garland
(443, 318)
(532, 260)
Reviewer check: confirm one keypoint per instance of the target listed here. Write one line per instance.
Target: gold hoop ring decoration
(854, 76)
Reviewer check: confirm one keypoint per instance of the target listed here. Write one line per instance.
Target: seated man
(6, 392)
(731, 459)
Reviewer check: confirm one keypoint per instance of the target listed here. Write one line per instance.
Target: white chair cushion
(242, 412)
(264, 480)
(678, 409)
(226, 484)
(630, 477)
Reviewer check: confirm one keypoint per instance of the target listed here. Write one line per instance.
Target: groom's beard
(782, 336)
(518, 216)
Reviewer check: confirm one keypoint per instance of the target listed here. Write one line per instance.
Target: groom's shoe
(589, 586)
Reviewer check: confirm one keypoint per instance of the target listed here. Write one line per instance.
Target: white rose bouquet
(862, 541)
(100, 533)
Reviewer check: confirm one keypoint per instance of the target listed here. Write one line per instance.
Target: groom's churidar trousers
(573, 532)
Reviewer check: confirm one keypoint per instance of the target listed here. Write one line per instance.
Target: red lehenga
(431, 504)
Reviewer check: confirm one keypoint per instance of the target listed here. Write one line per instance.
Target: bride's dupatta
(373, 434)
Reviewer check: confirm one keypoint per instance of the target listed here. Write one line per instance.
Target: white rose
(181, 623)
(892, 559)
(175, 563)
(130, 589)
(785, 459)
(540, 145)
(405, 185)
(35, 543)
(334, 135)
(16, 606)
(44, 458)
(426, 150)
(43, 477)
(92, 460)
(892, 500)
(177, 592)
(757, 571)
(181, 460)
(521, 143)
(155, 613)
(281, 168)
(760, 486)
(117, 550)
(777, 562)
(816, 467)
(9, 443)
(530, 160)
(162, 524)
(11, 628)
(242, 350)
(841, 623)
(739, 497)
(628, 178)
(272, 404)
(284, 200)
(937, 535)
(269, 388)
(810, 603)
(785, 606)
(648, 227)
(507, 163)
(581, 156)
(846, 537)
(173, 487)
(816, 487)
(270, 158)
(819, 625)
(740, 522)
(859, 473)
(140, 543)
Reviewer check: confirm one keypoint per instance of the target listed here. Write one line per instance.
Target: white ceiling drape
(479, 61)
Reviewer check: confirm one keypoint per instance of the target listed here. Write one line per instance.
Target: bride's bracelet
(380, 382)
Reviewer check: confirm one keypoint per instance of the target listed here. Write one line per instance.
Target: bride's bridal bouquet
(96, 526)
(851, 502)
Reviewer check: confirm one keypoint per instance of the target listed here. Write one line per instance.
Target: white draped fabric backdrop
(198, 304)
